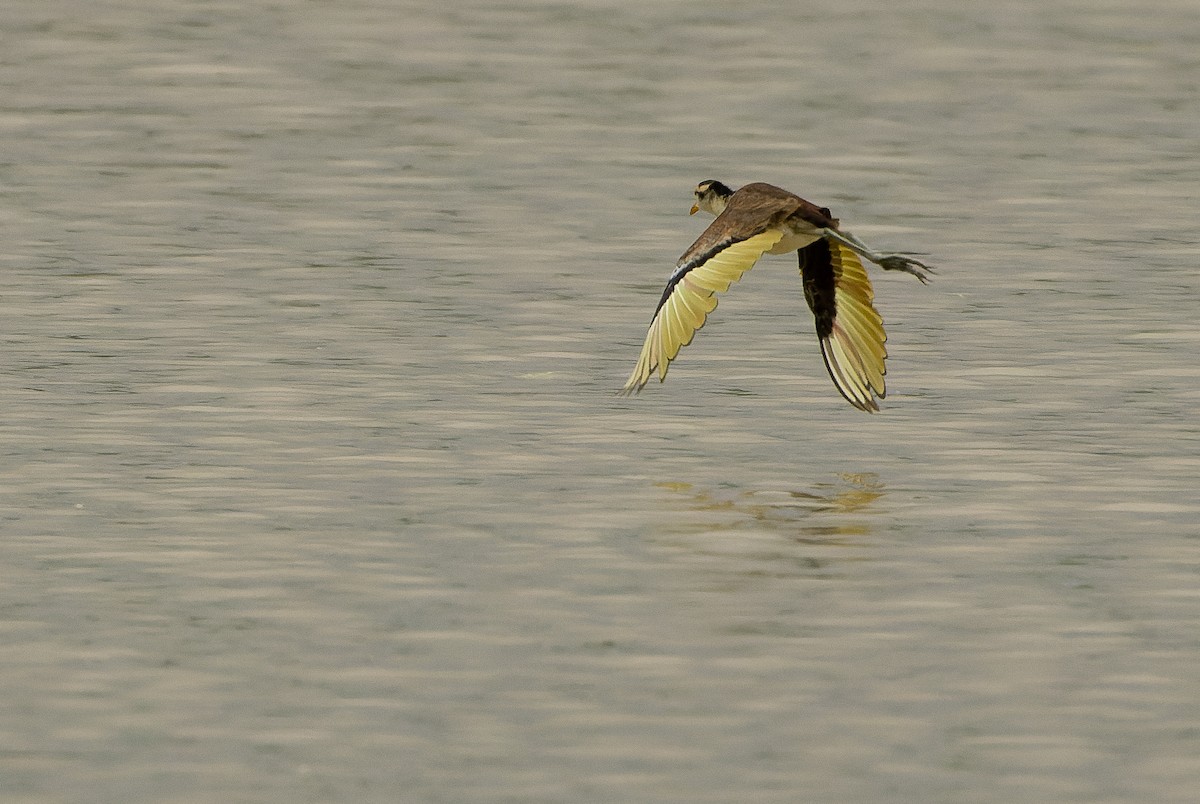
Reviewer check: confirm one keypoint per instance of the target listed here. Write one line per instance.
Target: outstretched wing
(689, 298)
(850, 328)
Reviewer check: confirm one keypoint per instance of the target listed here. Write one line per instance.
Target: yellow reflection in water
(815, 515)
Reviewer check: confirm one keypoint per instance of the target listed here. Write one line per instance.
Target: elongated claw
(894, 262)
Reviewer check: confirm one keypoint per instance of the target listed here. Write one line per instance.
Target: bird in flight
(763, 219)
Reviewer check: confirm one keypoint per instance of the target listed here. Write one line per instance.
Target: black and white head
(711, 196)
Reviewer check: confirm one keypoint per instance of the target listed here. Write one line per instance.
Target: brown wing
(768, 195)
(753, 209)
(840, 295)
(690, 296)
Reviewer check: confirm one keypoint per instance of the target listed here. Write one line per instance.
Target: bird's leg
(888, 262)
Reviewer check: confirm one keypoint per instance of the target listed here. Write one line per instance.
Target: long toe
(908, 265)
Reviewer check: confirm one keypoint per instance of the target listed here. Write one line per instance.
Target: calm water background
(314, 482)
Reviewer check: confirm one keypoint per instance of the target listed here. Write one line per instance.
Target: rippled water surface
(316, 487)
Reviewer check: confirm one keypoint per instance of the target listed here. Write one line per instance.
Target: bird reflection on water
(831, 513)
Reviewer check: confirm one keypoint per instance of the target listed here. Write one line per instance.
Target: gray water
(315, 486)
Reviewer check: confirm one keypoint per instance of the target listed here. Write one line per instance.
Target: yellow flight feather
(690, 302)
(854, 351)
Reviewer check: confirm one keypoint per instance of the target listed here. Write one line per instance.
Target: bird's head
(711, 196)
